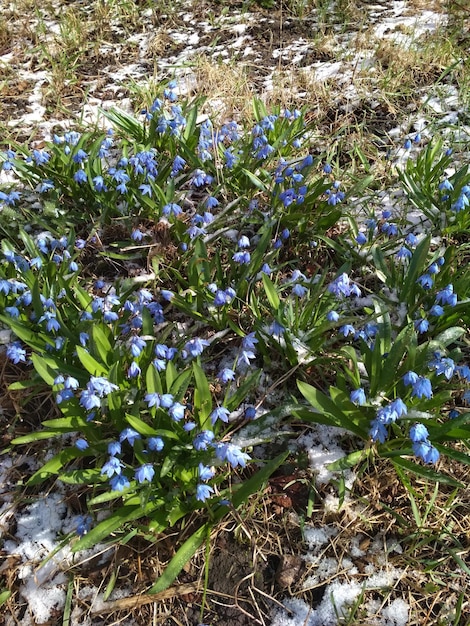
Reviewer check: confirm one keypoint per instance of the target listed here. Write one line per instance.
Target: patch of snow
(396, 613)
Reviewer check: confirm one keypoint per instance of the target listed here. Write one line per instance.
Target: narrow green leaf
(4, 595)
(392, 361)
(43, 368)
(37, 341)
(100, 340)
(257, 182)
(415, 269)
(54, 465)
(256, 482)
(326, 409)
(182, 556)
(202, 395)
(426, 472)
(152, 379)
(126, 513)
(350, 460)
(271, 292)
(82, 477)
(90, 364)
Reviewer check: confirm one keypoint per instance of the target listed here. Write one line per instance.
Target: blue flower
(99, 184)
(446, 296)
(144, 472)
(136, 346)
(155, 444)
(119, 483)
(378, 431)
(176, 411)
(114, 447)
(422, 388)
(81, 444)
(426, 281)
(220, 413)
(63, 395)
(358, 396)
(242, 257)
(426, 451)
(152, 399)
(347, 329)
(249, 341)
(79, 156)
(250, 412)
(130, 434)
(167, 295)
(134, 370)
(332, 316)
(205, 472)
(299, 290)
(80, 177)
(444, 366)
(83, 524)
(167, 400)
(410, 378)
(40, 157)
(89, 400)
(194, 347)
(231, 453)
(404, 253)
(178, 165)
(418, 432)
(102, 386)
(226, 375)
(203, 440)
(203, 492)
(399, 407)
(112, 467)
(342, 286)
(421, 325)
(436, 310)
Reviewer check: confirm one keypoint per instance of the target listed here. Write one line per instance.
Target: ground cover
(234, 307)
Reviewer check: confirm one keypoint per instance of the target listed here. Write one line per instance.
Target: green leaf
(350, 460)
(152, 379)
(256, 482)
(241, 393)
(82, 477)
(140, 426)
(415, 269)
(461, 457)
(188, 549)
(34, 340)
(257, 182)
(271, 292)
(43, 368)
(100, 341)
(54, 465)
(392, 361)
(182, 556)
(180, 384)
(450, 335)
(126, 513)
(202, 396)
(327, 409)
(426, 472)
(38, 436)
(4, 595)
(90, 364)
